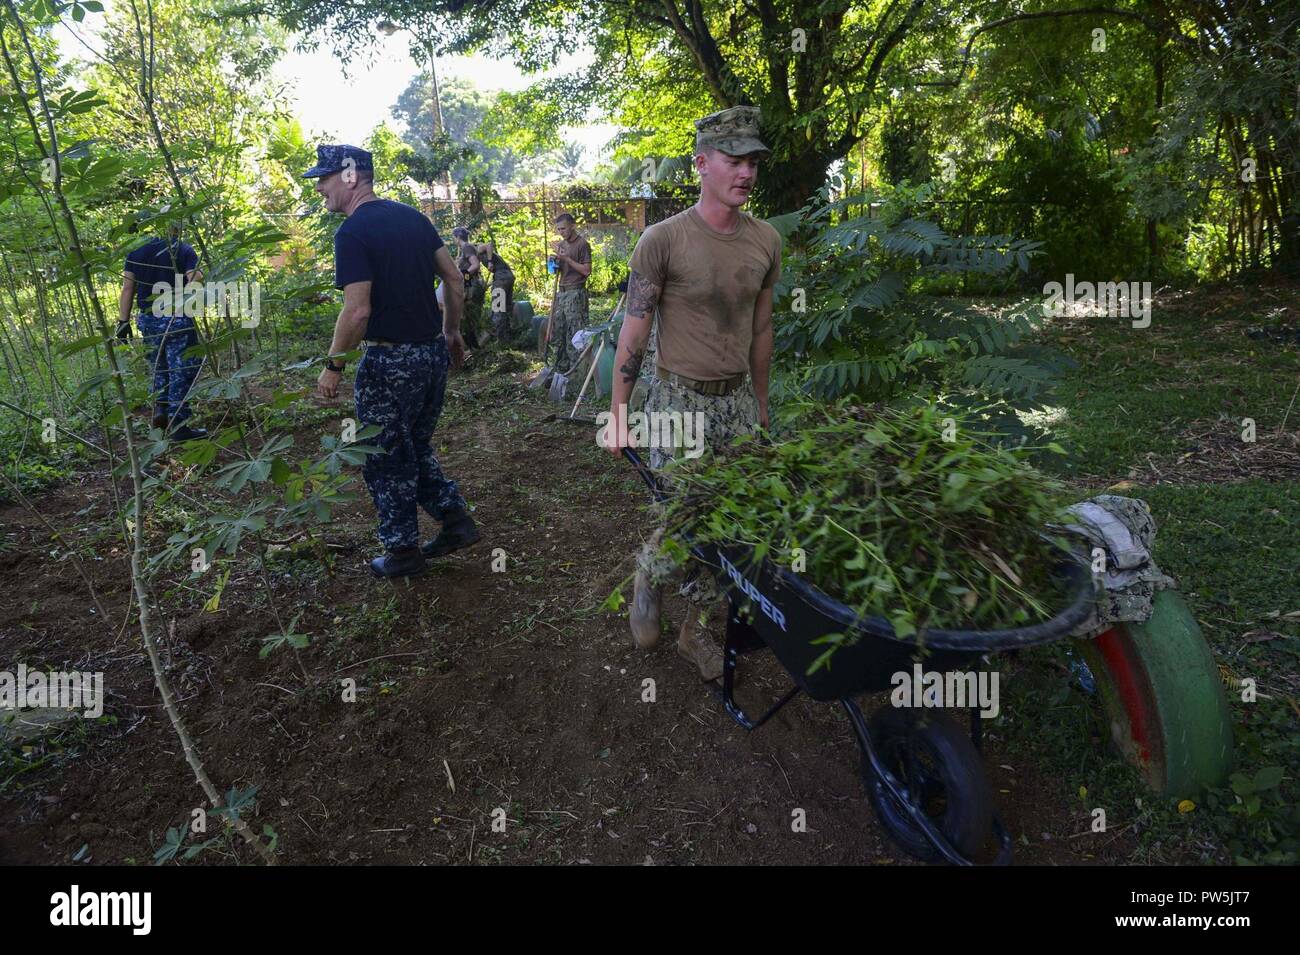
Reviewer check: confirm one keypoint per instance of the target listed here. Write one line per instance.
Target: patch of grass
(303, 413)
(1136, 390)
(1235, 552)
(30, 476)
(30, 463)
(1049, 722)
(1233, 548)
(372, 623)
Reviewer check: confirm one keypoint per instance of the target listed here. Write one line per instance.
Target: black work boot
(458, 530)
(186, 433)
(406, 562)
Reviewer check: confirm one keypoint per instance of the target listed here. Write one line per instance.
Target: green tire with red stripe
(1163, 698)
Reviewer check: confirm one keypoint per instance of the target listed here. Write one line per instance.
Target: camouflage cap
(733, 131)
(335, 158)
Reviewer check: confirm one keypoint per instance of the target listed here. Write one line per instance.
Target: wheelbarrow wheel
(943, 775)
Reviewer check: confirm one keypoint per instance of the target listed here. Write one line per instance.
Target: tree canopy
(1142, 93)
(464, 107)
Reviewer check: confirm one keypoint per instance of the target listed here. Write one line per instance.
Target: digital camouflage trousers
(166, 339)
(569, 314)
(401, 388)
(723, 418)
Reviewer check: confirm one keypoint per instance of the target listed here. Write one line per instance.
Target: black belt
(717, 388)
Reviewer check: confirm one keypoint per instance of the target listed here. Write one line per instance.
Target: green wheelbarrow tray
(1163, 698)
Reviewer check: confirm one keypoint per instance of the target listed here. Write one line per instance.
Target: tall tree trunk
(786, 185)
(1153, 235)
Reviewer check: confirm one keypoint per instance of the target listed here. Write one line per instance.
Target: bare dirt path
(476, 691)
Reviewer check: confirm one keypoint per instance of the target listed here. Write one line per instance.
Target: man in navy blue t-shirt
(386, 258)
(166, 330)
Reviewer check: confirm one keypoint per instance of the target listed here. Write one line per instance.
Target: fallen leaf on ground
(1260, 636)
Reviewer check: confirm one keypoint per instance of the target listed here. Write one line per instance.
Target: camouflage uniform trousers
(401, 389)
(725, 417)
(472, 323)
(165, 341)
(570, 314)
(502, 304)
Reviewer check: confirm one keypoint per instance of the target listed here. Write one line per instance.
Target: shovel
(573, 417)
(541, 378)
(558, 383)
(557, 391)
(544, 375)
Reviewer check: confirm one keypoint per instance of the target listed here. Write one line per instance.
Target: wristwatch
(337, 369)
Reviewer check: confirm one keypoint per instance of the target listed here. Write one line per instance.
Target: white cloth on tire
(1124, 530)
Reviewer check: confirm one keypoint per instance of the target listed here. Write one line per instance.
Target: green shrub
(848, 322)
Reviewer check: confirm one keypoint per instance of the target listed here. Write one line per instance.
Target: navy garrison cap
(332, 159)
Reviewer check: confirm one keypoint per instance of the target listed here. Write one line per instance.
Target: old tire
(1163, 698)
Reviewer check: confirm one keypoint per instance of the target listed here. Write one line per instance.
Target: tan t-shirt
(580, 252)
(710, 282)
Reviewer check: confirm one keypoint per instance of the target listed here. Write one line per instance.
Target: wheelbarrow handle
(647, 475)
(652, 482)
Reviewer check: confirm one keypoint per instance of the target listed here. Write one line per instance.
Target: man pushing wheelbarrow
(710, 272)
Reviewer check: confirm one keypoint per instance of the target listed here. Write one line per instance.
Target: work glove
(124, 331)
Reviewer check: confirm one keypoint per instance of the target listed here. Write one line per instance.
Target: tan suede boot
(643, 616)
(694, 644)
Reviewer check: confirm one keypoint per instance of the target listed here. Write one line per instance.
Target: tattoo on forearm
(632, 367)
(642, 296)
